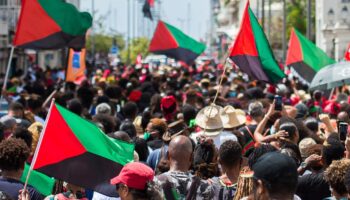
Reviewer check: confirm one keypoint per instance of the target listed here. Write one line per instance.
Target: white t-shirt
(98, 196)
(218, 139)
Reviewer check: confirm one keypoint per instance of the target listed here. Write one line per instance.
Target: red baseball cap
(134, 175)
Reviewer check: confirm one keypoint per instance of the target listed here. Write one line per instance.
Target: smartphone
(343, 130)
(278, 103)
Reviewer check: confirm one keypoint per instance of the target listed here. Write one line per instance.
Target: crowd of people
(194, 138)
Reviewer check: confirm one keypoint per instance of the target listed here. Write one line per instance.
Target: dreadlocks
(245, 184)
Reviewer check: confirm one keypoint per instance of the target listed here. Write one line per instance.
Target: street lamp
(331, 16)
(344, 13)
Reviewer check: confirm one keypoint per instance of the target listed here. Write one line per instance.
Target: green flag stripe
(312, 55)
(39, 181)
(267, 59)
(95, 141)
(185, 41)
(67, 16)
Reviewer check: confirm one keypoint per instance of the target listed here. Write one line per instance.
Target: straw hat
(234, 117)
(209, 119)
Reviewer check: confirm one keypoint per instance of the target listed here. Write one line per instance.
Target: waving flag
(39, 181)
(347, 54)
(304, 57)
(75, 150)
(172, 42)
(76, 66)
(146, 9)
(252, 53)
(51, 24)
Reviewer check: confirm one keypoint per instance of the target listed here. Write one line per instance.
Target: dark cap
(302, 110)
(276, 169)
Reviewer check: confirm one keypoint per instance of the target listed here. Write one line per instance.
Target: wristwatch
(303, 165)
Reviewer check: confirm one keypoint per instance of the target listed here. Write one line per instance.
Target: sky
(191, 16)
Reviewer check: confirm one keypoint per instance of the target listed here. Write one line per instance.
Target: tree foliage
(103, 43)
(297, 15)
(137, 46)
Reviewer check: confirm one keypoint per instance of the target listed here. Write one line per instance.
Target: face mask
(146, 135)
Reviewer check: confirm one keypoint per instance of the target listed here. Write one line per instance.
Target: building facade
(333, 27)
(9, 13)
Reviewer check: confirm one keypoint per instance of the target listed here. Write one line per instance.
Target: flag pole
(219, 86)
(7, 72)
(38, 146)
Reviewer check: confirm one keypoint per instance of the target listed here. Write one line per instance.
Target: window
(3, 2)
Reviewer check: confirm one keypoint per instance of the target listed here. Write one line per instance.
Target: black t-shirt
(313, 187)
(11, 187)
(155, 144)
(248, 138)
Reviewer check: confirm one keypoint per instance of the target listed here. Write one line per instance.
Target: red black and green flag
(39, 181)
(252, 53)
(347, 54)
(75, 150)
(51, 24)
(146, 9)
(172, 42)
(304, 57)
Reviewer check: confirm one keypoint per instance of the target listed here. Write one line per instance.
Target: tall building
(333, 26)
(9, 12)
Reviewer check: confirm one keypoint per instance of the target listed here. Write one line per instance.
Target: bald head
(120, 135)
(180, 151)
(343, 117)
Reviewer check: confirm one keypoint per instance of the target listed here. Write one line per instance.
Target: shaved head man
(180, 154)
(179, 178)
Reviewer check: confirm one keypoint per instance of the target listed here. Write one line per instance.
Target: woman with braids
(245, 184)
(135, 181)
(205, 160)
(230, 160)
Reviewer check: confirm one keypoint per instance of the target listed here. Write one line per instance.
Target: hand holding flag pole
(38, 146)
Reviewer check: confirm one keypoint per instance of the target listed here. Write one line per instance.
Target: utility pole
(257, 8)
(270, 20)
(284, 42)
(308, 28)
(133, 15)
(93, 31)
(159, 9)
(188, 18)
(128, 31)
(263, 14)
